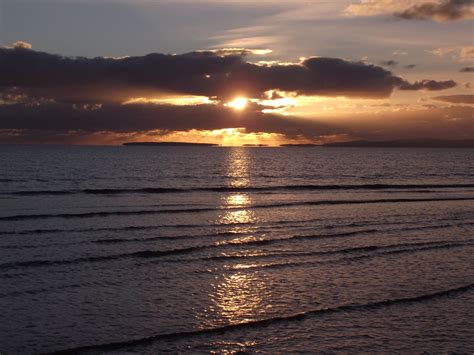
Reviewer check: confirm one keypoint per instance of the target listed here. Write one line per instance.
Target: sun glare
(238, 103)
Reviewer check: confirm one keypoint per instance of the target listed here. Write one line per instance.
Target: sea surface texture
(199, 249)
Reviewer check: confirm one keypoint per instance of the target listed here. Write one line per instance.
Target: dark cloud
(80, 80)
(467, 70)
(456, 99)
(22, 123)
(389, 63)
(410, 66)
(447, 10)
(50, 98)
(147, 117)
(430, 85)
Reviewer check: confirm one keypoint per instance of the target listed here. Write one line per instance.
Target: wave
(11, 180)
(93, 259)
(198, 210)
(140, 254)
(277, 224)
(187, 250)
(361, 307)
(114, 229)
(269, 241)
(150, 253)
(234, 234)
(370, 231)
(274, 225)
(426, 246)
(215, 235)
(176, 237)
(224, 234)
(379, 252)
(166, 190)
(100, 214)
(161, 253)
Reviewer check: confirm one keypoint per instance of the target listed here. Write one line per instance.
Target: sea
(135, 249)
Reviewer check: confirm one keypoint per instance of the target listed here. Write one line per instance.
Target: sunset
(304, 71)
(237, 176)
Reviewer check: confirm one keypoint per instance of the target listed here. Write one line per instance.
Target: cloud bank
(456, 99)
(116, 124)
(435, 10)
(50, 98)
(445, 11)
(203, 73)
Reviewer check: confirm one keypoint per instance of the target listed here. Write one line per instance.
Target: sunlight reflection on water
(238, 167)
(237, 297)
(237, 170)
(240, 297)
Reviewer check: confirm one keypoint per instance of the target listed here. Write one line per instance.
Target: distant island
(407, 143)
(169, 144)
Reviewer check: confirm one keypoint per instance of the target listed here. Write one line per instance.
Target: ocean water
(199, 249)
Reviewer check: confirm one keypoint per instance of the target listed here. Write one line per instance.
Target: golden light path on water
(237, 296)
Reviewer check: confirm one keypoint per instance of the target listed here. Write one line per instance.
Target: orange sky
(268, 72)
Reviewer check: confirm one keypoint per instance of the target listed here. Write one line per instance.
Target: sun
(238, 103)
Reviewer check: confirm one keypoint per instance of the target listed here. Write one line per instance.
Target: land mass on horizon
(406, 143)
(173, 144)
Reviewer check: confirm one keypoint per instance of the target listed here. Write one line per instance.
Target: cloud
(20, 44)
(461, 54)
(149, 117)
(112, 123)
(466, 54)
(237, 51)
(436, 10)
(376, 7)
(82, 80)
(51, 98)
(467, 70)
(430, 85)
(456, 99)
(410, 66)
(389, 63)
(441, 51)
(400, 52)
(445, 11)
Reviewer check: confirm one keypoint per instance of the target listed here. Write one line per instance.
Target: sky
(235, 72)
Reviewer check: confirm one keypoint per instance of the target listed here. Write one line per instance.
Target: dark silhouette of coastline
(168, 144)
(300, 145)
(407, 143)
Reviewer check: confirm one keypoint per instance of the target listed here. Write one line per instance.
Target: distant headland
(170, 144)
(408, 143)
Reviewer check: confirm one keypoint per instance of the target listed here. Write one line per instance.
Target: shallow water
(153, 249)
